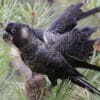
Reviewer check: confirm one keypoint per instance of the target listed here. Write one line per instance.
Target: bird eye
(13, 30)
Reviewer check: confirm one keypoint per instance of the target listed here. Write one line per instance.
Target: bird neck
(31, 45)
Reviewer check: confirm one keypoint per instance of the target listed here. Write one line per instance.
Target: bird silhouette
(57, 59)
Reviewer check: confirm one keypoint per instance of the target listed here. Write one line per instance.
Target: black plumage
(53, 57)
(76, 42)
(63, 24)
(69, 19)
(45, 60)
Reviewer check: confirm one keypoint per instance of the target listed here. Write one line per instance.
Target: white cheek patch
(24, 32)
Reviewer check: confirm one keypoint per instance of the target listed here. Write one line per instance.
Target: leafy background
(40, 14)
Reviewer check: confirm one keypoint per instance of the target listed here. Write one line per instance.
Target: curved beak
(7, 37)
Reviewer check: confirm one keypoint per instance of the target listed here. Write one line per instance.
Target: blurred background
(40, 13)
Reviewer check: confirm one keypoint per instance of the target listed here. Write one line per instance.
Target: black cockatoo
(45, 60)
(53, 59)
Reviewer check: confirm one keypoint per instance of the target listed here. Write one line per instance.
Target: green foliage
(39, 16)
(62, 91)
(40, 13)
(94, 3)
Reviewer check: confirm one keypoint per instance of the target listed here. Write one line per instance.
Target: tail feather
(81, 64)
(87, 66)
(81, 82)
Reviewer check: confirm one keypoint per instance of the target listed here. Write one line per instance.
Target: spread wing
(68, 20)
(80, 63)
(55, 62)
(77, 43)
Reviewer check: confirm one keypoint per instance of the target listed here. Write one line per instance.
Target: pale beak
(7, 37)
